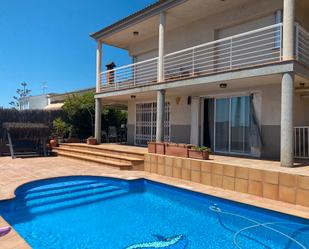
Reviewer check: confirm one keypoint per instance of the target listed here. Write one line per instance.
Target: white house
(34, 102)
(229, 74)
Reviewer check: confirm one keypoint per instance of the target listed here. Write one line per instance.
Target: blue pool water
(103, 213)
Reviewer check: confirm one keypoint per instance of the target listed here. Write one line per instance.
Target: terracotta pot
(160, 148)
(204, 155)
(180, 150)
(73, 140)
(92, 141)
(53, 143)
(151, 147)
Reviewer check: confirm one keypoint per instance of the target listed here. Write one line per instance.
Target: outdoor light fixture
(135, 33)
(223, 85)
(133, 97)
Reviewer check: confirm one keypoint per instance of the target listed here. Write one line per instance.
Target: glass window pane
(240, 124)
(222, 125)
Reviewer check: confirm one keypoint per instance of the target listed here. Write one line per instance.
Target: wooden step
(115, 150)
(99, 154)
(120, 165)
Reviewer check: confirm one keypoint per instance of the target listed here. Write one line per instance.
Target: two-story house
(229, 74)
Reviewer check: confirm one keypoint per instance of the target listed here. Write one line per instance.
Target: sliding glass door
(232, 125)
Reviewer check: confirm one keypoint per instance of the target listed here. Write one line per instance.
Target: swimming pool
(96, 213)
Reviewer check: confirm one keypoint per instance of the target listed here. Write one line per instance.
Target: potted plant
(199, 152)
(91, 141)
(53, 142)
(180, 150)
(60, 129)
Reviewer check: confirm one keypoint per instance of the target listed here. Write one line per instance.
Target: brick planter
(180, 150)
(151, 147)
(204, 155)
(160, 148)
(92, 141)
(73, 140)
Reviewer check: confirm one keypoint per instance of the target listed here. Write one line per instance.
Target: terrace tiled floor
(13, 173)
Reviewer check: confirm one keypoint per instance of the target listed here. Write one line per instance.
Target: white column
(97, 132)
(195, 120)
(161, 48)
(288, 29)
(98, 121)
(287, 125)
(99, 67)
(160, 115)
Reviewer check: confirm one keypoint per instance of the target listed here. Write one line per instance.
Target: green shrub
(60, 128)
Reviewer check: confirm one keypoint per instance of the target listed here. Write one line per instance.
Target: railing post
(134, 75)
(193, 61)
(231, 53)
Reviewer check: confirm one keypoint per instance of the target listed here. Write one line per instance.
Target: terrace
(255, 48)
(20, 171)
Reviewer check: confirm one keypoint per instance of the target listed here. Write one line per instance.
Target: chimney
(110, 74)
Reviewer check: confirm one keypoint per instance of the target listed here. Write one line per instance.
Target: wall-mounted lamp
(223, 85)
(133, 97)
(135, 33)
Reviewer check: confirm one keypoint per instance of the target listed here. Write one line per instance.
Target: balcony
(254, 48)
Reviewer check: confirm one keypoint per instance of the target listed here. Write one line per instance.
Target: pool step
(114, 158)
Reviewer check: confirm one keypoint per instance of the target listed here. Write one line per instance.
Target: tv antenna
(44, 87)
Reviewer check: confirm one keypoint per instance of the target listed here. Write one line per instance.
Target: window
(145, 122)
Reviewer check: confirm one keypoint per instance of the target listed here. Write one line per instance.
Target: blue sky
(48, 41)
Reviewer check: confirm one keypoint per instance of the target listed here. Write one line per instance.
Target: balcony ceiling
(185, 13)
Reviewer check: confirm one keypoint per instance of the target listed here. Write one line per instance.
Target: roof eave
(137, 17)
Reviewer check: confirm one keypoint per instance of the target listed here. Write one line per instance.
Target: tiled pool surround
(20, 171)
(271, 184)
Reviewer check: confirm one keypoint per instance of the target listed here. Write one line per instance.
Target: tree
(81, 110)
(22, 93)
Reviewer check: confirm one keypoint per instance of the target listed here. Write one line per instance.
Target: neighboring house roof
(145, 13)
(60, 98)
(55, 106)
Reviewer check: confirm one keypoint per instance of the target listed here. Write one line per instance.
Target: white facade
(231, 56)
(34, 102)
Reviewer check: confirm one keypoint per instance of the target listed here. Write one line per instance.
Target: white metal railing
(247, 49)
(302, 44)
(301, 142)
(243, 50)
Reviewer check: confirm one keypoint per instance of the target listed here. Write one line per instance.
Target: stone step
(98, 154)
(115, 150)
(120, 165)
